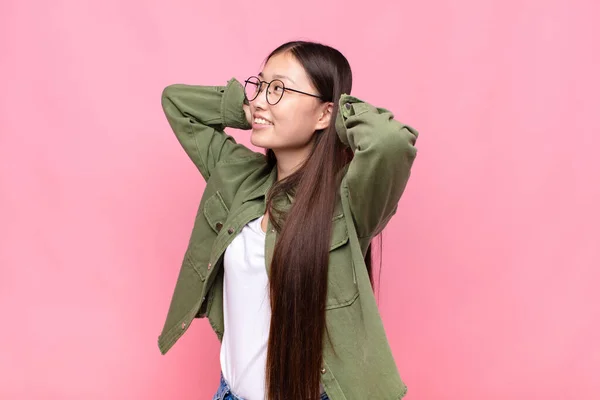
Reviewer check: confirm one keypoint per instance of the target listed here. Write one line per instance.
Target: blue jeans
(224, 392)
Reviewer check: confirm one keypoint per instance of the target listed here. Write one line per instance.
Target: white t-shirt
(246, 312)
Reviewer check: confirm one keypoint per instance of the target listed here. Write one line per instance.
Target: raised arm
(383, 156)
(199, 114)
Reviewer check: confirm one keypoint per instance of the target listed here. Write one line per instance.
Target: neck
(288, 161)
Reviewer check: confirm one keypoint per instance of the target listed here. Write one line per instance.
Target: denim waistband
(224, 389)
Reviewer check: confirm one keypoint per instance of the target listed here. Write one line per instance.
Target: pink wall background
(490, 288)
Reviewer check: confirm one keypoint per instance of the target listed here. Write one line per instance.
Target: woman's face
(296, 116)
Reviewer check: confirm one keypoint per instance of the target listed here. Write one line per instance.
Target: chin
(259, 142)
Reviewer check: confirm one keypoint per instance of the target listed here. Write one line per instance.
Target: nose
(261, 100)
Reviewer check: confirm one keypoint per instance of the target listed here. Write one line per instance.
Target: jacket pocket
(341, 287)
(212, 212)
(216, 211)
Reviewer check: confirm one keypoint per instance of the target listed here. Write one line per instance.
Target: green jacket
(237, 181)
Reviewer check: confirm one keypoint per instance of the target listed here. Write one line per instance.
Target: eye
(278, 88)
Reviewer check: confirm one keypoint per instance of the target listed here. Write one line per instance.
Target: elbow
(167, 92)
(165, 98)
(173, 91)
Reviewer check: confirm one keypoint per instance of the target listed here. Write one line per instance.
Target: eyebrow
(277, 76)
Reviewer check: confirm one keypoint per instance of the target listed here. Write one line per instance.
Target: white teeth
(262, 121)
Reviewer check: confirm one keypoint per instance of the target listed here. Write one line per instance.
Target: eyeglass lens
(254, 87)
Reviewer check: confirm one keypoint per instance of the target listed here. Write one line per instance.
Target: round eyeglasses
(275, 89)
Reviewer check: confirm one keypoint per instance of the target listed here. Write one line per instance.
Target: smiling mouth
(261, 121)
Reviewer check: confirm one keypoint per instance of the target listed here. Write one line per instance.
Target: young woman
(279, 257)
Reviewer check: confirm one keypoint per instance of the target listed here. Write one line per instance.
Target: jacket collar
(263, 187)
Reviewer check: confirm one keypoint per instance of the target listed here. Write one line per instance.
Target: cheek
(282, 114)
(293, 122)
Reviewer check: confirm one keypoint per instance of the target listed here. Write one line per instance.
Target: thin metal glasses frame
(258, 91)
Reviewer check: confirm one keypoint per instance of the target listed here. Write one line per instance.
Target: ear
(324, 116)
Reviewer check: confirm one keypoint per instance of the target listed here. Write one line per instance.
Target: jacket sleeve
(384, 152)
(198, 116)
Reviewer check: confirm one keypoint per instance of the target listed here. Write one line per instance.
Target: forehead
(285, 67)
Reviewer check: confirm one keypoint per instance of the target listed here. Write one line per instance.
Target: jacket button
(323, 370)
(183, 325)
(230, 231)
(219, 226)
(209, 265)
(347, 105)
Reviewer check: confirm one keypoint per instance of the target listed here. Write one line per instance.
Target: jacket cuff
(345, 110)
(231, 106)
